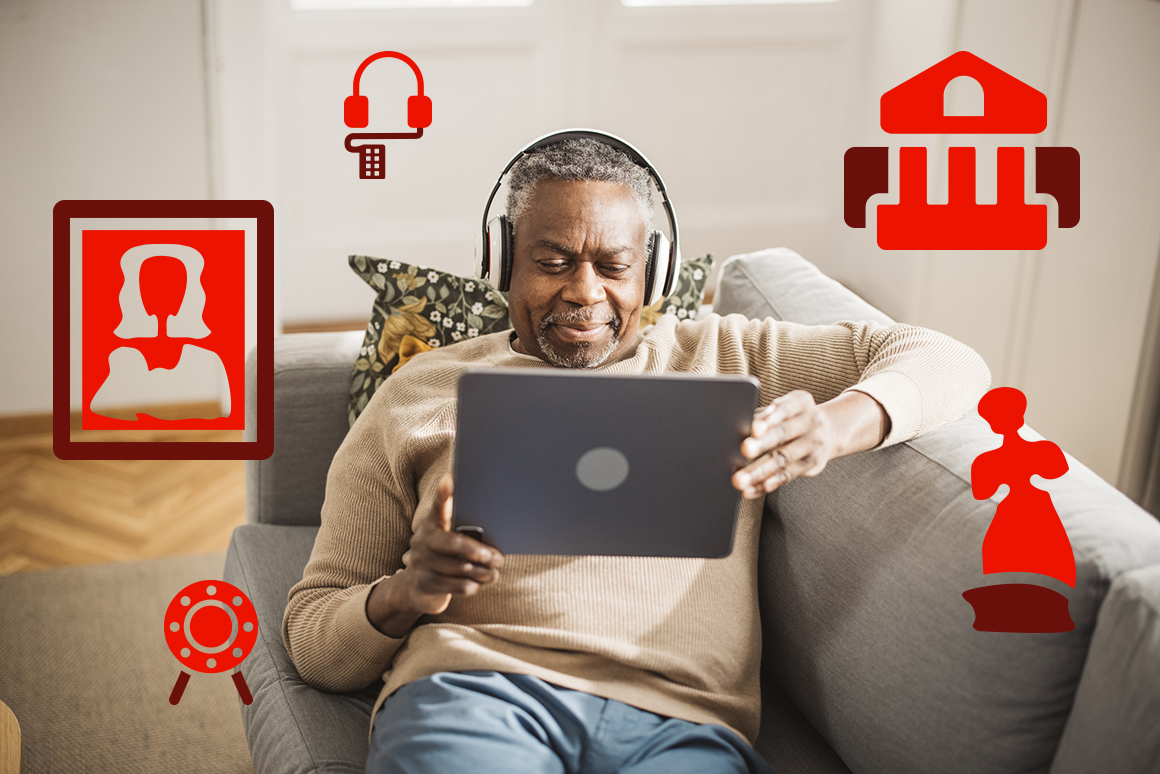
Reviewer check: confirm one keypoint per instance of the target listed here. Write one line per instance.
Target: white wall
(98, 100)
(1092, 291)
(1065, 324)
(746, 110)
(741, 108)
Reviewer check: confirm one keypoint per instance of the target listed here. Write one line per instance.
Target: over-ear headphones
(494, 249)
(356, 108)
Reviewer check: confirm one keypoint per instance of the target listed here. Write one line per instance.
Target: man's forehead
(563, 247)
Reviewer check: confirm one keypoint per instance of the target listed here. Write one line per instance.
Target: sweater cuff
(900, 397)
(359, 636)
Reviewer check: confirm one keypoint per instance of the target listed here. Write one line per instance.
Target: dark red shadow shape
(179, 688)
(867, 172)
(243, 689)
(1019, 607)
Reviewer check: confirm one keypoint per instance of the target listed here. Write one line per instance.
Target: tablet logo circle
(602, 469)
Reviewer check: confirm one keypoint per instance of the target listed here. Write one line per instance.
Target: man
(583, 664)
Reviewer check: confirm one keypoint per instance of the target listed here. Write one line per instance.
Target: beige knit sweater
(678, 637)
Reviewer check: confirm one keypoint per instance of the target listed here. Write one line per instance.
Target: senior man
(583, 664)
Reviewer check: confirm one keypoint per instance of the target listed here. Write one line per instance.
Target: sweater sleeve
(921, 378)
(366, 528)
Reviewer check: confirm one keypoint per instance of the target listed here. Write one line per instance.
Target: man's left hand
(791, 437)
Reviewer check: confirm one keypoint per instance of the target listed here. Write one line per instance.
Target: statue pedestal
(1019, 607)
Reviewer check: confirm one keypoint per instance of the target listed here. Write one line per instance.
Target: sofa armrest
(1115, 723)
(312, 373)
(862, 571)
(291, 728)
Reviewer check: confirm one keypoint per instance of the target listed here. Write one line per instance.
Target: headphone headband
(617, 143)
(395, 55)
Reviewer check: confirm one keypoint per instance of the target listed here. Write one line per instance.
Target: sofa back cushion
(311, 391)
(779, 283)
(862, 574)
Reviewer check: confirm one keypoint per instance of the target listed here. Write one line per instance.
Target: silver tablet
(569, 462)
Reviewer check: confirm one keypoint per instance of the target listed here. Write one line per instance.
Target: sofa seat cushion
(788, 741)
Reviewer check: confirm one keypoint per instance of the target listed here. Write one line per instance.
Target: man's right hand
(442, 564)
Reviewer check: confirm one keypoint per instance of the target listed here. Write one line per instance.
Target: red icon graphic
(157, 308)
(160, 308)
(356, 110)
(1026, 534)
(916, 107)
(210, 626)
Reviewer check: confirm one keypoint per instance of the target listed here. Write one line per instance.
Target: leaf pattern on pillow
(685, 300)
(416, 309)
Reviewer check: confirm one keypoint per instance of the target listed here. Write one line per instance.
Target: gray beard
(585, 355)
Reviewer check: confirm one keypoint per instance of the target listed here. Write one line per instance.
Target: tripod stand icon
(210, 626)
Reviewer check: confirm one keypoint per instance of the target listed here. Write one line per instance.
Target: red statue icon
(916, 107)
(1026, 534)
(210, 626)
(356, 114)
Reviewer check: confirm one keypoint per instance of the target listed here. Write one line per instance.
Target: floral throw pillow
(685, 300)
(419, 309)
(416, 310)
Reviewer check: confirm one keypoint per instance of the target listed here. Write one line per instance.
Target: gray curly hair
(581, 158)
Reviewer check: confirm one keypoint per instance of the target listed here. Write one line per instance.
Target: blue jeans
(482, 722)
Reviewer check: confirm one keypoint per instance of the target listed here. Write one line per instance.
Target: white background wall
(742, 108)
(1065, 324)
(98, 100)
(747, 111)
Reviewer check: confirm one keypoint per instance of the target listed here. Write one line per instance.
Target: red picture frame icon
(131, 282)
(228, 258)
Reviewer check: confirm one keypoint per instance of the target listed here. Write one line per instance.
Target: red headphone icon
(210, 626)
(356, 108)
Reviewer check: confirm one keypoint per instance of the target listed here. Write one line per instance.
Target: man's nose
(585, 285)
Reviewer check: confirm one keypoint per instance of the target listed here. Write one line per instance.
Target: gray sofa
(870, 659)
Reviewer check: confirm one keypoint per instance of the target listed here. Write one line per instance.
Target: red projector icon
(916, 107)
(210, 626)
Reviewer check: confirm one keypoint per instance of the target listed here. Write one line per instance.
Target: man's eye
(553, 265)
(618, 269)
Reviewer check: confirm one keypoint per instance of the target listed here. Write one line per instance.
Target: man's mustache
(580, 316)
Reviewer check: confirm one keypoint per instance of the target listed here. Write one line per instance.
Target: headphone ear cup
(674, 269)
(507, 254)
(355, 111)
(657, 268)
(418, 111)
(490, 265)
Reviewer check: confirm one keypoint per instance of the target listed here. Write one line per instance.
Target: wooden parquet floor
(58, 513)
